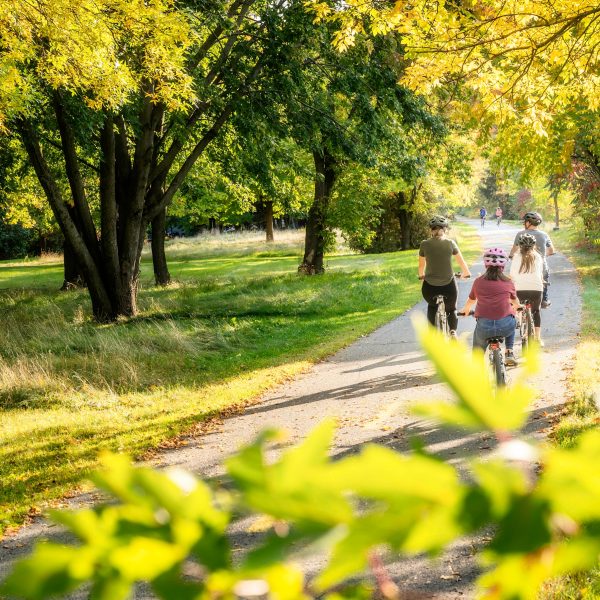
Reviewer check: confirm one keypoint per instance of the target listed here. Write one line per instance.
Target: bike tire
(524, 332)
(498, 367)
(530, 327)
(441, 322)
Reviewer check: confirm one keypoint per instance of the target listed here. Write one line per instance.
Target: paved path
(370, 386)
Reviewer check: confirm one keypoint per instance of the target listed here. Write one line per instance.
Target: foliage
(350, 506)
(15, 240)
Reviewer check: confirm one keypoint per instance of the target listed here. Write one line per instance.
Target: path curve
(370, 386)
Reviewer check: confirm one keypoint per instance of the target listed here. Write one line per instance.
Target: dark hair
(527, 259)
(495, 274)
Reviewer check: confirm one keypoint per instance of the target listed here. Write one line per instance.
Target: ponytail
(527, 259)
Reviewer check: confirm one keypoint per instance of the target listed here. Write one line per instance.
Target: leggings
(450, 293)
(536, 300)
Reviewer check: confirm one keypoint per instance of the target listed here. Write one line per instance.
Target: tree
(140, 88)
(342, 108)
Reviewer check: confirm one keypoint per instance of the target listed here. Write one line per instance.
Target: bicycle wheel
(441, 320)
(524, 332)
(498, 366)
(530, 326)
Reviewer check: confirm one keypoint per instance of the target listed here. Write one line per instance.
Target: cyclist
(498, 216)
(543, 244)
(435, 269)
(496, 302)
(482, 215)
(527, 271)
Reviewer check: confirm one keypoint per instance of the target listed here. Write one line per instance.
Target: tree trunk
(314, 245)
(268, 204)
(72, 273)
(159, 258)
(556, 213)
(405, 218)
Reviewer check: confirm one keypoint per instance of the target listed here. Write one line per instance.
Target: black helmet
(526, 240)
(438, 221)
(533, 217)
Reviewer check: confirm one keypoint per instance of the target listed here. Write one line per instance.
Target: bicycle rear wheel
(527, 329)
(530, 327)
(441, 320)
(498, 366)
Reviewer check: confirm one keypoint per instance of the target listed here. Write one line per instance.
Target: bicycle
(526, 325)
(495, 356)
(498, 221)
(482, 222)
(441, 316)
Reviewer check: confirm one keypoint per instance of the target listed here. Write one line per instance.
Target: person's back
(482, 212)
(439, 253)
(542, 239)
(527, 280)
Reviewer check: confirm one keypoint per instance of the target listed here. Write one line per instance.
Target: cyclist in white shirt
(527, 273)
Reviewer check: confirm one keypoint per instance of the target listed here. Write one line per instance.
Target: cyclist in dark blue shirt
(482, 215)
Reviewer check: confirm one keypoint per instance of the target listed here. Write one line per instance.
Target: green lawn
(238, 321)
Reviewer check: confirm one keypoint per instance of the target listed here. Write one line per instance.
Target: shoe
(509, 359)
(546, 303)
(541, 343)
(453, 334)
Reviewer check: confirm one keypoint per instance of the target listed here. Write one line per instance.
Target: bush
(15, 240)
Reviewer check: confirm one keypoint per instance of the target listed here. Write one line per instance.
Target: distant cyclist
(543, 244)
(527, 272)
(498, 216)
(496, 301)
(482, 215)
(435, 269)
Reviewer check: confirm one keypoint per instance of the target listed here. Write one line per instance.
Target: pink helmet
(495, 257)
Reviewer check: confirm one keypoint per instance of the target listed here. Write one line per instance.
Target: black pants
(450, 293)
(536, 300)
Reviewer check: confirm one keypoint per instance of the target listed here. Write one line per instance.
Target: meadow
(237, 321)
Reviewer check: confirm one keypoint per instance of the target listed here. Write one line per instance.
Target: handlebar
(462, 314)
(457, 275)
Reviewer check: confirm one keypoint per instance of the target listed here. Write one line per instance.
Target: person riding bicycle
(482, 215)
(498, 215)
(435, 269)
(543, 244)
(495, 299)
(527, 272)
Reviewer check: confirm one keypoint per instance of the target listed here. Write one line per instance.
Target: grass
(238, 321)
(584, 383)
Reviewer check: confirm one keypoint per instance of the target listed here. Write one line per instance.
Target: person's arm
(467, 307)
(550, 247)
(465, 273)
(422, 264)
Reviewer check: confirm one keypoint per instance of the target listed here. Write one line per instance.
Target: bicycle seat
(495, 340)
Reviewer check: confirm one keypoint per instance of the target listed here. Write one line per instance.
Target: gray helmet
(438, 221)
(526, 240)
(533, 217)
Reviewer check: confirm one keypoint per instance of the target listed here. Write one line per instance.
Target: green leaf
(478, 404)
(525, 527)
(570, 480)
(51, 569)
